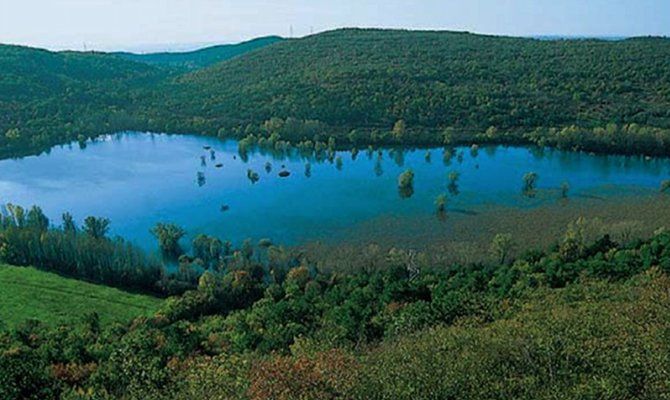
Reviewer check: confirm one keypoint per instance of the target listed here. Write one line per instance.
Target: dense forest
(586, 319)
(359, 86)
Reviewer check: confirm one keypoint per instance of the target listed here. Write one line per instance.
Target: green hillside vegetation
(49, 98)
(200, 58)
(425, 87)
(584, 320)
(31, 294)
(359, 86)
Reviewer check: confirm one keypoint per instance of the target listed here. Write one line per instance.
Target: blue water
(137, 180)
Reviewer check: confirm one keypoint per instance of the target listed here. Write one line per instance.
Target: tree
(37, 220)
(168, 236)
(68, 223)
(565, 187)
(406, 184)
(529, 184)
(453, 182)
(501, 246)
(441, 204)
(399, 130)
(95, 227)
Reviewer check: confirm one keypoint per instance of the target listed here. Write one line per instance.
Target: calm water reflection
(204, 185)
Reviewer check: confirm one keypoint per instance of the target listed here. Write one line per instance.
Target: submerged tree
(253, 176)
(529, 184)
(565, 188)
(453, 182)
(168, 236)
(406, 184)
(339, 163)
(428, 156)
(665, 186)
(268, 167)
(308, 170)
(441, 205)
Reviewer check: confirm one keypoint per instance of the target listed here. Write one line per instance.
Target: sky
(152, 25)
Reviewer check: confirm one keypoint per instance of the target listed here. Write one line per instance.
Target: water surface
(138, 179)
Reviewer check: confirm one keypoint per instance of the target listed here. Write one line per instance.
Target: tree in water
(95, 227)
(447, 155)
(665, 186)
(441, 206)
(339, 163)
(501, 247)
(453, 182)
(529, 184)
(168, 236)
(406, 184)
(428, 156)
(308, 170)
(268, 167)
(565, 188)
(354, 154)
(253, 176)
(474, 151)
(200, 178)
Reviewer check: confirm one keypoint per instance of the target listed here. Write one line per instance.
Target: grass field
(29, 293)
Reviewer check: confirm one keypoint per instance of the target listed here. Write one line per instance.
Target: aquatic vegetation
(253, 176)
(406, 184)
(339, 163)
(268, 167)
(474, 150)
(453, 182)
(441, 204)
(665, 186)
(308, 170)
(427, 157)
(565, 188)
(529, 184)
(200, 178)
(168, 236)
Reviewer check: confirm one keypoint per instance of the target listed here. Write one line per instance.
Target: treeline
(576, 321)
(360, 87)
(27, 238)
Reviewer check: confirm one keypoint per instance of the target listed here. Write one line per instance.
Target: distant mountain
(200, 58)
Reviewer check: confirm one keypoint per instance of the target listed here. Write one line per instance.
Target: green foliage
(406, 184)
(355, 86)
(168, 236)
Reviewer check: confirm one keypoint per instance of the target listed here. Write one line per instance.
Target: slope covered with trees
(200, 58)
(358, 86)
(471, 87)
(48, 98)
(584, 320)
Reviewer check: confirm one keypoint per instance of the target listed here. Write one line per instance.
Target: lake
(139, 179)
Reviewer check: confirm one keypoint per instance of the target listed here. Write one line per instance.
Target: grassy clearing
(31, 294)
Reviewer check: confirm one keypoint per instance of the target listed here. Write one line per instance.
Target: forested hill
(361, 86)
(48, 98)
(372, 78)
(200, 58)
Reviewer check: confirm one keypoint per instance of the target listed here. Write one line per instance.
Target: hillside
(433, 80)
(32, 294)
(355, 85)
(49, 98)
(200, 58)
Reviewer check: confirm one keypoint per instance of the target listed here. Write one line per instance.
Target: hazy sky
(172, 24)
